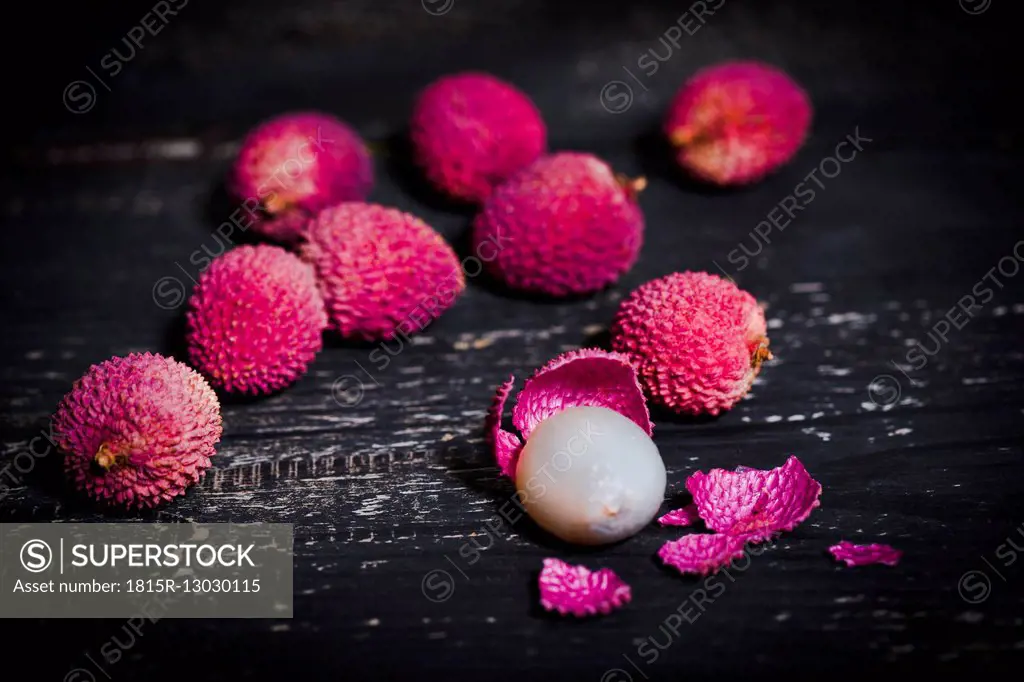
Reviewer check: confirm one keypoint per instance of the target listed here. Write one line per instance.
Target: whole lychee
(471, 131)
(697, 341)
(381, 271)
(736, 122)
(564, 225)
(255, 320)
(137, 431)
(292, 166)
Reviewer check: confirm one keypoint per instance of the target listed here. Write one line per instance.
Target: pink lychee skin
(137, 431)
(566, 224)
(471, 131)
(736, 122)
(294, 165)
(697, 341)
(381, 271)
(255, 320)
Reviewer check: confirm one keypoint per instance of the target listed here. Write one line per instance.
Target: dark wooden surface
(100, 206)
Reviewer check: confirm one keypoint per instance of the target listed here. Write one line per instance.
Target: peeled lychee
(294, 165)
(564, 225)
(471, 131)
(697, 341)
(736, 122)
(255, 320)
(381, 271)
(137, 431)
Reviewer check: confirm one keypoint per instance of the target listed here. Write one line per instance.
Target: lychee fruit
(381, 271)
(294, 165)
(471, 131)
(255, 320)
(734, 123)
(566, 224)
(697, 341)
(137, 431)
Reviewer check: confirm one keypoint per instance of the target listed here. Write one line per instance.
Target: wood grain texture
(397, 486)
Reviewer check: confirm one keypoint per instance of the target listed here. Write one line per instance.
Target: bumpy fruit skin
(734, 123)
(471, 131)
(137, 431)
(255, 320)
(564, 225)
(294, 165)
(381, 271)
(697, 341)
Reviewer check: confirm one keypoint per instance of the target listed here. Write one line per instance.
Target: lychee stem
(761, 354)
(632, 186)
(275, 204)
(105, 457)
(690, 135)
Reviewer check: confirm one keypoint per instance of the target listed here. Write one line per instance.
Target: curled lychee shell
(294, 165)
(471, 131)
(381, 271)
(697, 341)
(755, 503)
(587, 377)
(736, 122)
(255, 320)
(566, 224)
(137, 431)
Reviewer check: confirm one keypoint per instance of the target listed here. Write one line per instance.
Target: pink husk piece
(686, 516)
(583, 377)
(506, 452)
(755, 502)
(864, 555)
(578, 590)
(577, 378)
(506, 445)
(702, 553)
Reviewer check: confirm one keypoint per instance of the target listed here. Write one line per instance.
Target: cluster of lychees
(139, 430)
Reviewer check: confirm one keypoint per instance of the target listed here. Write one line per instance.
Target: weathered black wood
(101, 206)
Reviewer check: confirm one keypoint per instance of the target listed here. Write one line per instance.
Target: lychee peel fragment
(686, 516)
(586, 377)
(506, 445)
(755, 502)
(865, 555)
(702, 553)
(577, 590)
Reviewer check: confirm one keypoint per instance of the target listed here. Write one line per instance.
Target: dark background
(99, 206)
